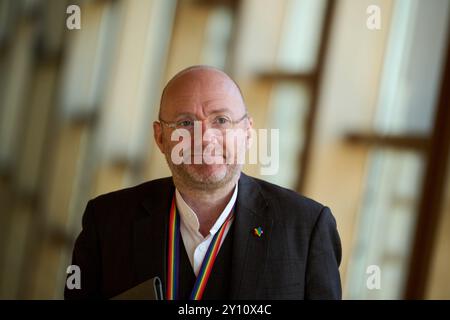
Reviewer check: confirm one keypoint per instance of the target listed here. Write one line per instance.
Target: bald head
(199, 86)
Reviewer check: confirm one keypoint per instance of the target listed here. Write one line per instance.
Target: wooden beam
(310, 122)
(287, 76)
(410, 141)
(431, 202)
(212, 3)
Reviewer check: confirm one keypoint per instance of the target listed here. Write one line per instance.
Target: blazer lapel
(249, 250)
(150, 234)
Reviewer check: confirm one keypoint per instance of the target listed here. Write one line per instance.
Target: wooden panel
(431, 202)
(413, 142)
(64, 170)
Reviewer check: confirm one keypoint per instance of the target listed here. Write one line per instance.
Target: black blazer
(123, 243)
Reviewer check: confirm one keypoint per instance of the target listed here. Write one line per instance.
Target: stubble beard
(193, 177)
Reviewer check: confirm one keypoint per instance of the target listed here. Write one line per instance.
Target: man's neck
(207, 204)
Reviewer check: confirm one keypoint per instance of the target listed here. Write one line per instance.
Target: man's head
(212, 98)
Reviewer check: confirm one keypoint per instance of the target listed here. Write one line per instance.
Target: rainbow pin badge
(258, 232)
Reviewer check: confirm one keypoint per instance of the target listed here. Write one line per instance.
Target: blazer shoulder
(290, 204)
(138, 192)
(129, 199)
(290, 197)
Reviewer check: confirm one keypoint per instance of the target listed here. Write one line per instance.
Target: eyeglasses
(220, 122)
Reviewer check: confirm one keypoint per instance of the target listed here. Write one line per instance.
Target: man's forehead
(206, 97)
(187, 105)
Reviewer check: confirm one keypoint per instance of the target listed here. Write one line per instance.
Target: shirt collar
(189, 217)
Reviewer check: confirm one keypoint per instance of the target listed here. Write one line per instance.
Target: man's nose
(198, 135)
(205, 125)
(208, 133)
(211, 134)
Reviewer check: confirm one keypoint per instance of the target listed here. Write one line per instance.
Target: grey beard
(189, 180)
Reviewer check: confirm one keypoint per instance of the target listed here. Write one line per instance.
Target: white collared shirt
(194, 242)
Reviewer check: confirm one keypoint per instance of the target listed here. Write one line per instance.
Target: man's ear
(250, 122)
(158, 134)
(249, 132)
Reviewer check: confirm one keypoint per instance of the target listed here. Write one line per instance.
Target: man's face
(209, 99)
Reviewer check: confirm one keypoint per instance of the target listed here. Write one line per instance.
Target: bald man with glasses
(209, 231)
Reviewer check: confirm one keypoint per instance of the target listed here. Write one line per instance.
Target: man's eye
(222, 120)
(185, 123)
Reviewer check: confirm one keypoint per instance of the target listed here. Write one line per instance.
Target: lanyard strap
(173, 257)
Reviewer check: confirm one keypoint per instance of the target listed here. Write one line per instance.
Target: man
(209, 231)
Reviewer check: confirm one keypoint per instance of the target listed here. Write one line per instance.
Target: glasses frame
(173, 124)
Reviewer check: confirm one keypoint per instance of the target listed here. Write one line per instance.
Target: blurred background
(364, 119)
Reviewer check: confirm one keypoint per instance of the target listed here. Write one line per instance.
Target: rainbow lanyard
(173, 257)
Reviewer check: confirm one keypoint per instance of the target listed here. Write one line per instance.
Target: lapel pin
(258, 231)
